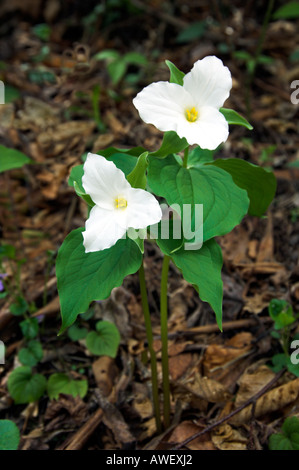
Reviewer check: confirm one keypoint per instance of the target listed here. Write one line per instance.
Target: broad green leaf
(25, 387)
(19, 307)
(233, 117)
(176, 76)
(288, 11)
(61, 383)
(224, 203)
(11, 158)
(11, 94)
(75, 333)
(171, 143)
(288, 439)
(107, 54)
(117, 70)
(29, 327)
(281, 312)
(199, 155)
(169, 235)
(202, 268)
(135, 58)
(84, 277)
(9, 435)
(32, 354)
(259, 183)
(105, 340)
(137, 177)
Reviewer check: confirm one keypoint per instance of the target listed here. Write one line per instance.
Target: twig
(250, 401)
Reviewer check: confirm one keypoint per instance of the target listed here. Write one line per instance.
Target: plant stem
(257, 54)
(186, 154)
(149, 335)
(164, 339)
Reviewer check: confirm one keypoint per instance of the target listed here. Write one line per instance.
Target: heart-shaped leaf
(25, 387)
(224, 204)
(105, 340)
(202, 268)
(83, 277)
(259, 183)
(9, 435)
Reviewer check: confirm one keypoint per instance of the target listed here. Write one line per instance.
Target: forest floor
(62, 103)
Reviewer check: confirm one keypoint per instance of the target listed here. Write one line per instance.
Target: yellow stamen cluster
(120, 203)
(191, 114)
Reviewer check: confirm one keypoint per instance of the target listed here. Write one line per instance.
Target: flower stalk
(164, 339)
(149, 336)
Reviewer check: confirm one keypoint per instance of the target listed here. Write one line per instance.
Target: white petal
(209, 131)
(103, 181)
(143, 209)
(209, 82)
(163, 104)
(101, 230)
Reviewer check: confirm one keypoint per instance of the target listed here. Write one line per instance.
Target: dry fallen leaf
(227, 438)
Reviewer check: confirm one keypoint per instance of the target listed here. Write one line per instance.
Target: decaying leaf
(272, 401)
(227, 438)
(187, 429)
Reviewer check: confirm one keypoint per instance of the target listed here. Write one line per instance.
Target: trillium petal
(163, 104)
(101, 230)
(143, 209)
(209, 82)
(103, 181)
(209, 131)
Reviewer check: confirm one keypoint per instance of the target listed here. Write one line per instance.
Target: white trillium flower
(191, 110)
(118, 206)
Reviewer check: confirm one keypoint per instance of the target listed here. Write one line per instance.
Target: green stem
(149, 335)
(164, 339)
(186, 154)
(256, 55)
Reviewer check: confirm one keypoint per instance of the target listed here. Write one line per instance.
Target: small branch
(250, 401)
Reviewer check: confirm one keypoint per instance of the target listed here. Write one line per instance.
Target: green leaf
(107, 54)
(259, 183)
(169, 235)
(24, 387)
(233, 117)
(11, 158)
(75, 333)
(83, 277)
(75, 180)
(171, 143)
(224, 203)
(288, 11)
(19, 307)
(294, 164)
(202, 268)
(29, 328)
(11, 94)
(176, 76)
(199, 155)
(9, 435)
(137, 177)
(135, 58)
(104, 341)
(117, 70)
(32, 354)
(61, 383)
(281, 312)
(289, 438)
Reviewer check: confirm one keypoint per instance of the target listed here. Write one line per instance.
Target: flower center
(120, 203)
(191, 115)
